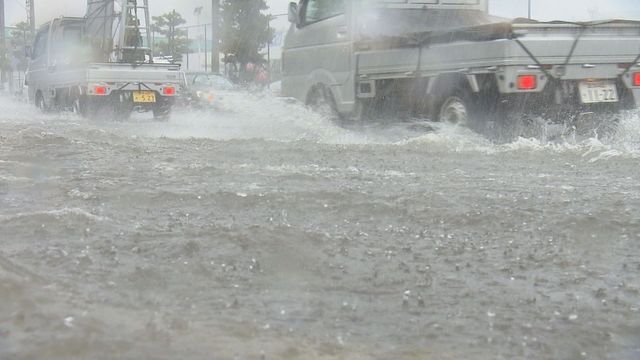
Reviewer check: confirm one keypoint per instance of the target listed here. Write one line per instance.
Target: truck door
(319, 51)
(38, 63)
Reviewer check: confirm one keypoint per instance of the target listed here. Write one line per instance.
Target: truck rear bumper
(107, 88)
(562, 98)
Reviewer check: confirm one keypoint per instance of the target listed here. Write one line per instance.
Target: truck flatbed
(480, 49)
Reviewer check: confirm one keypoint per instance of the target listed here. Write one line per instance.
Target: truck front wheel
(321, 101)
(41, 103)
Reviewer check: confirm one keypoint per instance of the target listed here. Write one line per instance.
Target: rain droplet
(68, 321)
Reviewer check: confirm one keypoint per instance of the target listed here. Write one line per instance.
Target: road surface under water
(268, 232)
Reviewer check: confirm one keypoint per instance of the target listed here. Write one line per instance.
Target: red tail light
(636, 79)
(527, 82)
(169, 91)
(100, 90)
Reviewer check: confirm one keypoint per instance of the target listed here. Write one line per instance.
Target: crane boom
(120, 30)
(31, 15)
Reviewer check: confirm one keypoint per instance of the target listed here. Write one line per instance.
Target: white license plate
(598, 92)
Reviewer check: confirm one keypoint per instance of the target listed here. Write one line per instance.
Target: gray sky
(542, 9)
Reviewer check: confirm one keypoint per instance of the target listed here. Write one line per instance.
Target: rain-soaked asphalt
(267, 232)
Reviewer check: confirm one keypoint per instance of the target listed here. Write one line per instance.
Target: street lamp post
(529, 9)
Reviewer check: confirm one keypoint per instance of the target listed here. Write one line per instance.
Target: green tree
(245, 29)
(21, 39)
(175, 42)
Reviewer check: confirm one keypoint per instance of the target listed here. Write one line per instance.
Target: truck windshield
(405, 21)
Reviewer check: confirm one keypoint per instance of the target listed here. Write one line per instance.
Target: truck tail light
(100, 90)
(636, 79)
(527, 82)
(169, 91)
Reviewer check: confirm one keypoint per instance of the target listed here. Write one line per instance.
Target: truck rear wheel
(80, 106)
(457, 108)
(162, 110)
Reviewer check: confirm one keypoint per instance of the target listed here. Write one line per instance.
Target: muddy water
(267, 232)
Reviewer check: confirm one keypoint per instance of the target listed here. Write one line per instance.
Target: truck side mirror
(294, 16)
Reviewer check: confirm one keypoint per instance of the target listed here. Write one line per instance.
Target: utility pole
(215, 30)
(529, 10)
(3, 45)
(31, 15)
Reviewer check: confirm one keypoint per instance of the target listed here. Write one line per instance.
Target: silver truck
(451, 61)
(101, 64)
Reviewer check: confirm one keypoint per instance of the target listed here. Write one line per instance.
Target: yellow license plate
(144, 96)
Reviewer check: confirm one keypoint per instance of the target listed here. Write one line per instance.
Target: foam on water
(56, 214)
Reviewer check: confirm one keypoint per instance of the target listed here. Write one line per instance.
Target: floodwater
(264, 231)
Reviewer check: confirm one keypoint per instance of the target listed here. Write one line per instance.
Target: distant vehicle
(206, 89)
(79, 64)
(450, 60)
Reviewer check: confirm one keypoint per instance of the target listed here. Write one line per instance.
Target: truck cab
(319, 55)
(57, 48)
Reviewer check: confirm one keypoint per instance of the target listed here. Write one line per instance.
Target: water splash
(244, 116)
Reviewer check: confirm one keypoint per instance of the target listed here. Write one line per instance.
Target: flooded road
(268, 232)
